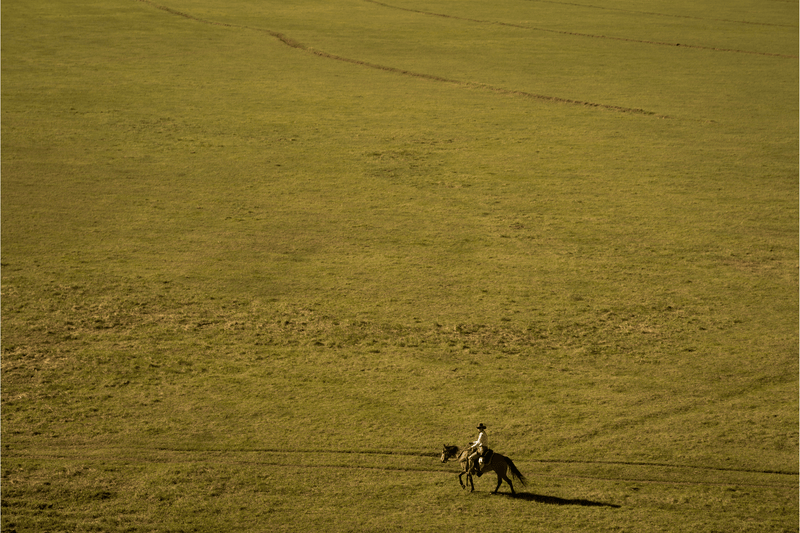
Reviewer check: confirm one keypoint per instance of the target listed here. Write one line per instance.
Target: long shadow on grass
(553, 500)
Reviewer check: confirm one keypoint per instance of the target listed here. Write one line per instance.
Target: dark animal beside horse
(499, 463)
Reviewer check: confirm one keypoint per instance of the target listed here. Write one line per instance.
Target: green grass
(261, 260)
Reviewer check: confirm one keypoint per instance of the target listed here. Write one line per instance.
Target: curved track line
(667, 14)
(670, 482)
(593, 36)
(408, 453)
(665, 465)
(141, 459)
(416, 453)
(469, 84)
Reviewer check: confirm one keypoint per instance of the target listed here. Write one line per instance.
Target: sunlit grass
(255, 286)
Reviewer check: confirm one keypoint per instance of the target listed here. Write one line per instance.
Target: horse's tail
(515, 471)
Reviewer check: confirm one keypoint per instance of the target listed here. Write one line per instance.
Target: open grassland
(262, 259)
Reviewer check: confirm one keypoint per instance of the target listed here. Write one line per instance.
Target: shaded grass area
(232, 267)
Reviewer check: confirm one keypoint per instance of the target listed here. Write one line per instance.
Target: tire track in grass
(667, 14)
(576, 34)
(166, 455)
(409, 453)
(667, 465)
(468, 84)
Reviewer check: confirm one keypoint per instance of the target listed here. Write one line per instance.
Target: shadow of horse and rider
(502, 466)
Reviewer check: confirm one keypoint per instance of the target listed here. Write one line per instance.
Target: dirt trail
(469, 84)
(307, 458)
(670, 15)
(575, 34)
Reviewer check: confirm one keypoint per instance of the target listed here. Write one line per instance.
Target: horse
(499, 463)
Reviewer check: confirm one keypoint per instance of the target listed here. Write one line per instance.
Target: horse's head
(448, 452)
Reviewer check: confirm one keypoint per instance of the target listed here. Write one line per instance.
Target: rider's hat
(481, 426)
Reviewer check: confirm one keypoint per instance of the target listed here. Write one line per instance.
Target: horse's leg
(461, 482)
(493, 466)
(508, 480)
(502, 475)
(466, 470)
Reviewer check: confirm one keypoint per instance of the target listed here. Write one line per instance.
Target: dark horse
(499, 463)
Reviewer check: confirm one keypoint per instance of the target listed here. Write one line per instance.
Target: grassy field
(262, 259)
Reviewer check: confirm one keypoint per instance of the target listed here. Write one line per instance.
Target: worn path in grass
(295, 44)
(414, 461)
(513, 25)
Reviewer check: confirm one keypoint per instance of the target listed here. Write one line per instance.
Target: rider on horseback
(480, 446)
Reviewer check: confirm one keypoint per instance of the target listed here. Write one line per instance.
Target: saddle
(487, 455)
(483, 460)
